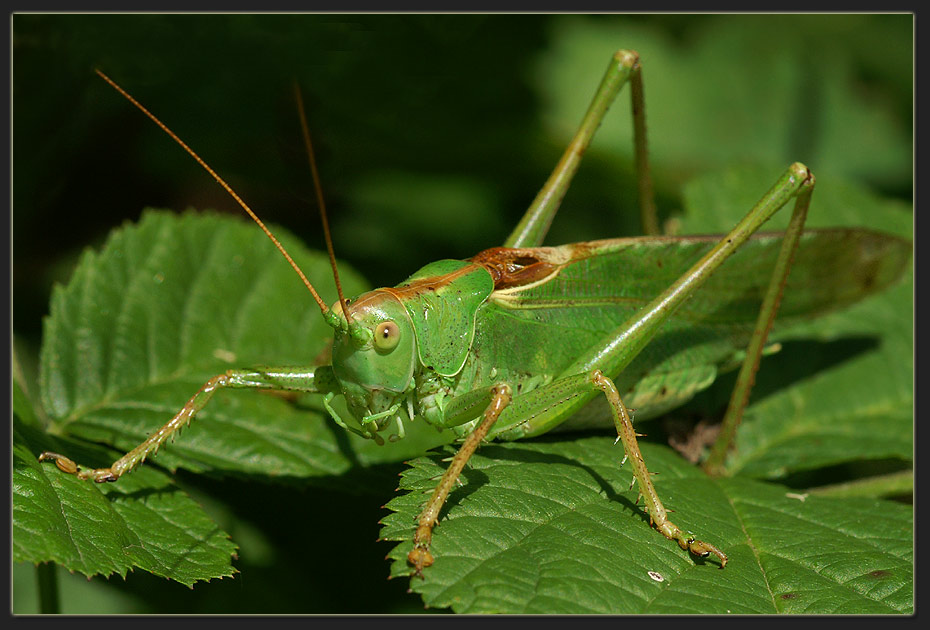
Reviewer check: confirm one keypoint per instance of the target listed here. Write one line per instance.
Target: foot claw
(66, 465)
(703, 549)
(419, 558)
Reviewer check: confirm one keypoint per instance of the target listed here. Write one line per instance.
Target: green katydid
(458, 343)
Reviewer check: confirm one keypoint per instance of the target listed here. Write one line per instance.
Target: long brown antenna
(319, 199)
(222, 182)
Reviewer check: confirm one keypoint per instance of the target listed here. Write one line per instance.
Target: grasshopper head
(375, 370)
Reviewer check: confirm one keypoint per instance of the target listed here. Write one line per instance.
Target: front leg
(552, 403)
(420, 557)
(307, 380)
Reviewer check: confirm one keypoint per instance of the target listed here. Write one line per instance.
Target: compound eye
(387, 335)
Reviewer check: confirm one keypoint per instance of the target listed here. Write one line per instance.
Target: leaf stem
(879, 486)
(47, 578)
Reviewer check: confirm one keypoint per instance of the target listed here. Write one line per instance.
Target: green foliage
(128, 341)
(146, 523)
(526, 505)
(552, 526)
(786, 71)
(171, 302)
(408, 142)
(859, 371)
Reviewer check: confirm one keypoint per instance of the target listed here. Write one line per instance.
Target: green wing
(539, 329)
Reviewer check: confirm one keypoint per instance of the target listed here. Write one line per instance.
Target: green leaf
(22, 406)
(839, 378)
(714, 201)
(165, 305)
(143, 522)
(844, 410)
(173, 301)
(717, 107)
(551, 527)
(808, 87)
